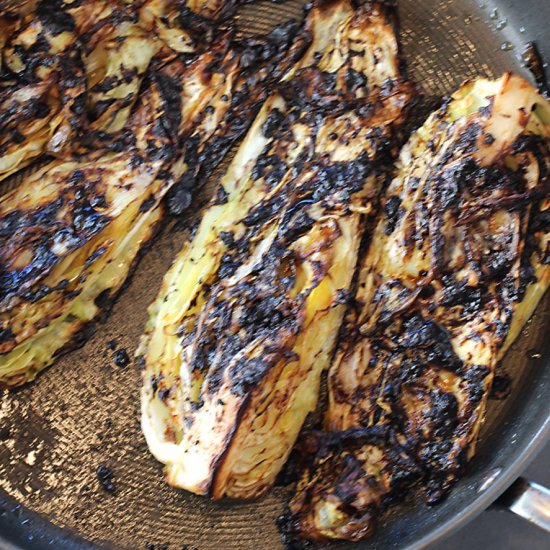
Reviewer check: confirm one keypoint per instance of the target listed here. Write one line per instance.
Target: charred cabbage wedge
(67, 70)
(38, 108)
(71, 68)
(247, 316)
(69, 233)
(458, 262)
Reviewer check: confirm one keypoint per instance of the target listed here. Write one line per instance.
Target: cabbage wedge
(70, 232)
(458, 262)
(39, 110)
(248, 314)
(67, 74)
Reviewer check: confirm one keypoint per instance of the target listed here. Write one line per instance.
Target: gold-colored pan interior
(84, 411)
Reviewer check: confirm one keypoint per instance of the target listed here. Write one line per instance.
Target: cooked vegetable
(38, 108)
(115, 68)
(68, 236)
(247, 316)
(67, 70)
(69, 233)
(458, 262)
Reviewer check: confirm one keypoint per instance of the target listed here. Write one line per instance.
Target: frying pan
(84, 411)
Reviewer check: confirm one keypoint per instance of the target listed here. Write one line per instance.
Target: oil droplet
(494, 14)
(506, 46)
(522, 30)
(502, 24)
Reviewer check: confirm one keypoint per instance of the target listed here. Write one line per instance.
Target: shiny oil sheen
(84, 411)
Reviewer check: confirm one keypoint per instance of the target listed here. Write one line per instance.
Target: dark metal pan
(84, 411)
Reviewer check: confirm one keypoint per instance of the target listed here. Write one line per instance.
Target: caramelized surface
(458, 262)
(157, 122)
(248, 315)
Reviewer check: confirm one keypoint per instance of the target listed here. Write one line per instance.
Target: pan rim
(532, 440)
(38, 532)
(490, 494)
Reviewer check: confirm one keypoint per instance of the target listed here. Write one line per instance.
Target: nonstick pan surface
(84, 411)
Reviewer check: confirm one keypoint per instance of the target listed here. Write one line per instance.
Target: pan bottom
(84, 412)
